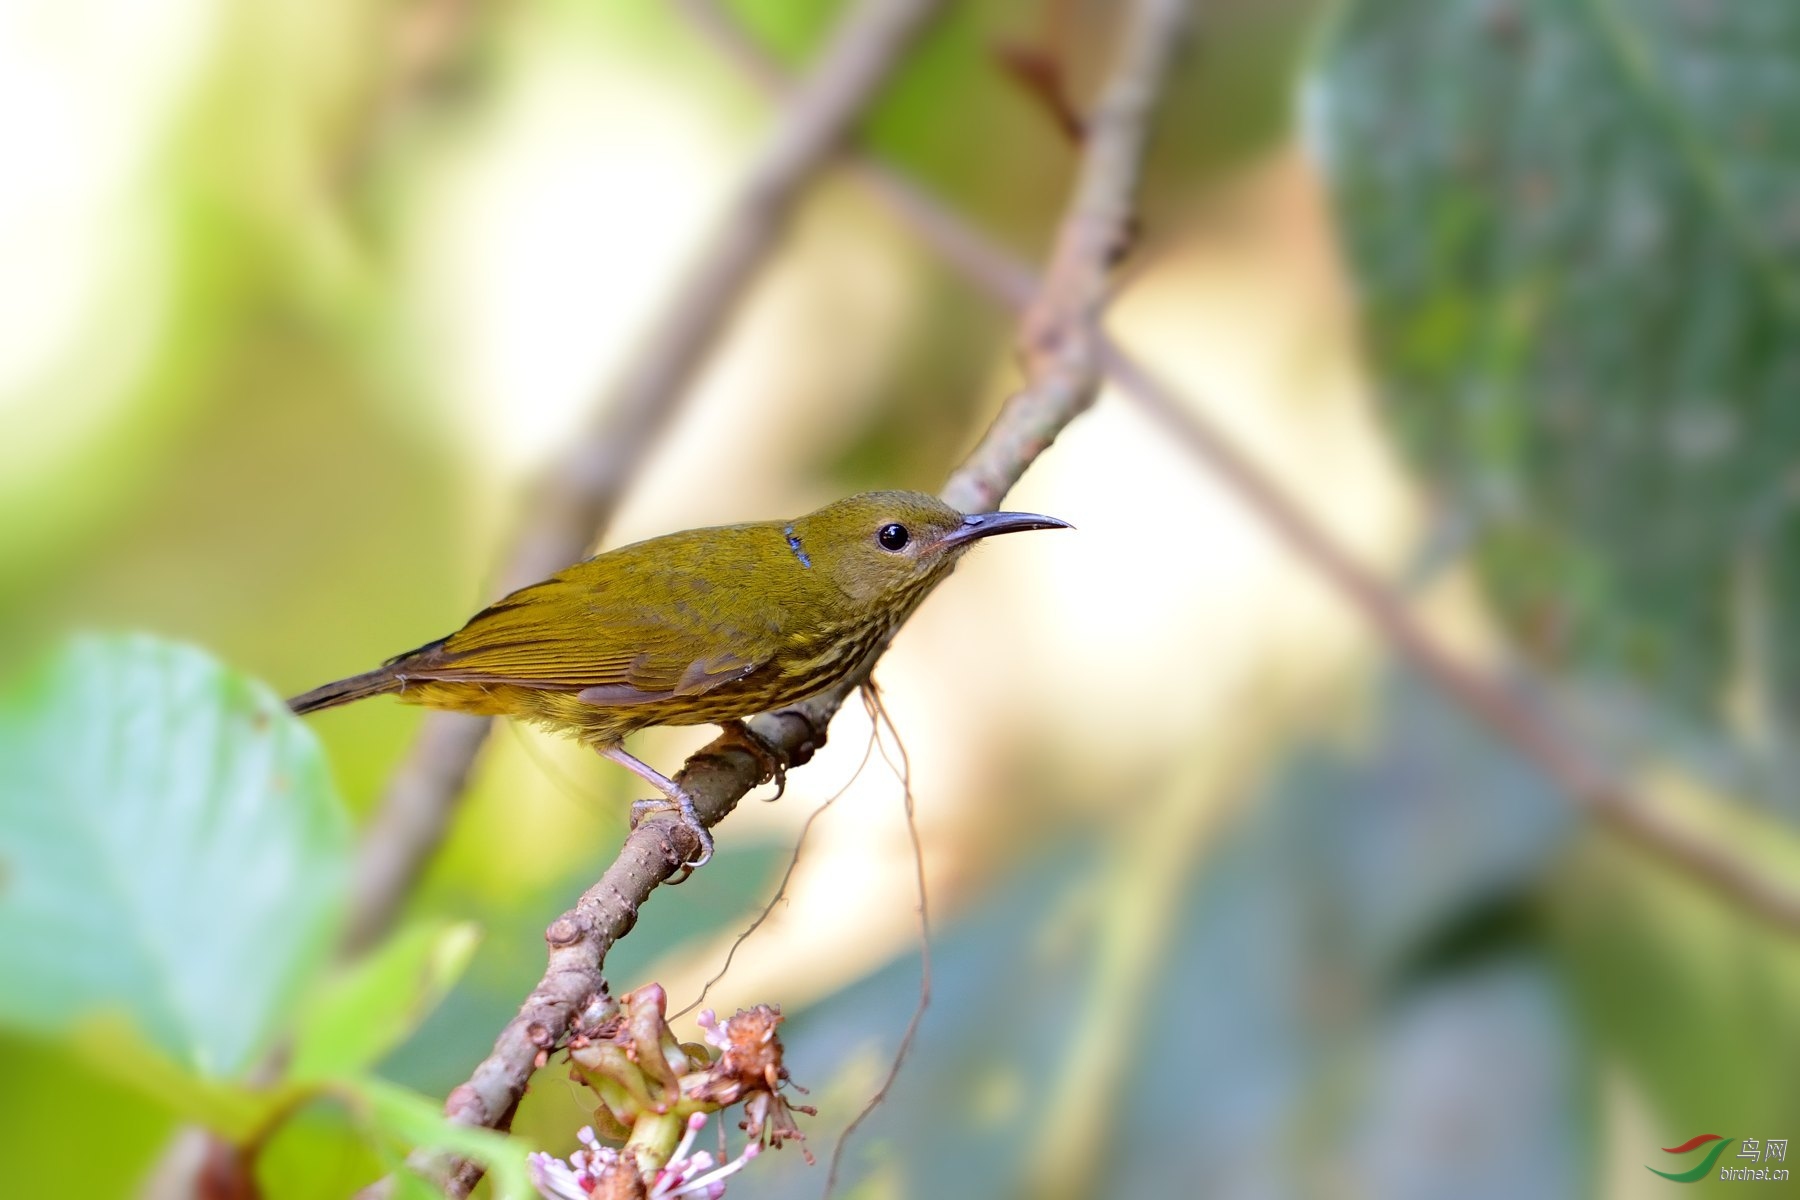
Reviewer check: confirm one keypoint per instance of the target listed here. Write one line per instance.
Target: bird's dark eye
(892, 537)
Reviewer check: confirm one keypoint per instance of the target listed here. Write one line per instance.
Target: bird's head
(887, 549)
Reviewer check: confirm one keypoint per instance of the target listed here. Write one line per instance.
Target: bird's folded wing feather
(566, 635)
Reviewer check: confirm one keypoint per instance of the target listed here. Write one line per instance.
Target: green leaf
(1572, 224)
(170, 848)
(367, 1011)
(1691, 998)
(418, 1122)
(110, 1046)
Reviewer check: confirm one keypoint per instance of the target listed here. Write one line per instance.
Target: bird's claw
(770, 758)
(684, 807)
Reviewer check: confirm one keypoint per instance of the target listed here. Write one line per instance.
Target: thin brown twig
(579, 498)
(1038, 70)
(1039, 64)
(1485, 698)
(1063, 379)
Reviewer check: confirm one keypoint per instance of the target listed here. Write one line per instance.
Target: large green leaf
(374, 1005)
(171, 847)
(1573, 222)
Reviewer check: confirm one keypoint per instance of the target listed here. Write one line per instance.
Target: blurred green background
(299, 299)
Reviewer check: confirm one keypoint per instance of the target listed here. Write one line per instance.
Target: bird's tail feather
(370, 683)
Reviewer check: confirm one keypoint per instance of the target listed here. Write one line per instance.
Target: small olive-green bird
(704, 626)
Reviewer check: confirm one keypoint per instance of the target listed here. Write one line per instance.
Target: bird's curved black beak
(980, 525)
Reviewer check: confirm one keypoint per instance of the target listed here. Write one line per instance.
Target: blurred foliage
(379, 1000)
(171, 844)
(1404, 972)
(174, 863)
(1304, 1015)
(1398, 977)
(1693, 1002)
(1574, 224)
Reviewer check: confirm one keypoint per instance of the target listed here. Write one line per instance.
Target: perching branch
(578, 499)
(1059, 335)
(1063, 377)
(1486, 699)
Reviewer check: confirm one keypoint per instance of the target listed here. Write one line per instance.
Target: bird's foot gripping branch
(654, 1093)
(770, 758)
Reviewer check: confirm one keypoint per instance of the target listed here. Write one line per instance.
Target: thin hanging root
(786, 876)
(878, 716)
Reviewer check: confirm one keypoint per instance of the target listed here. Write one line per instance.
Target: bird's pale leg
(681, 801)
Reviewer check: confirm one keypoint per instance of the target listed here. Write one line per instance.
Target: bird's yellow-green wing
(623, 628)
